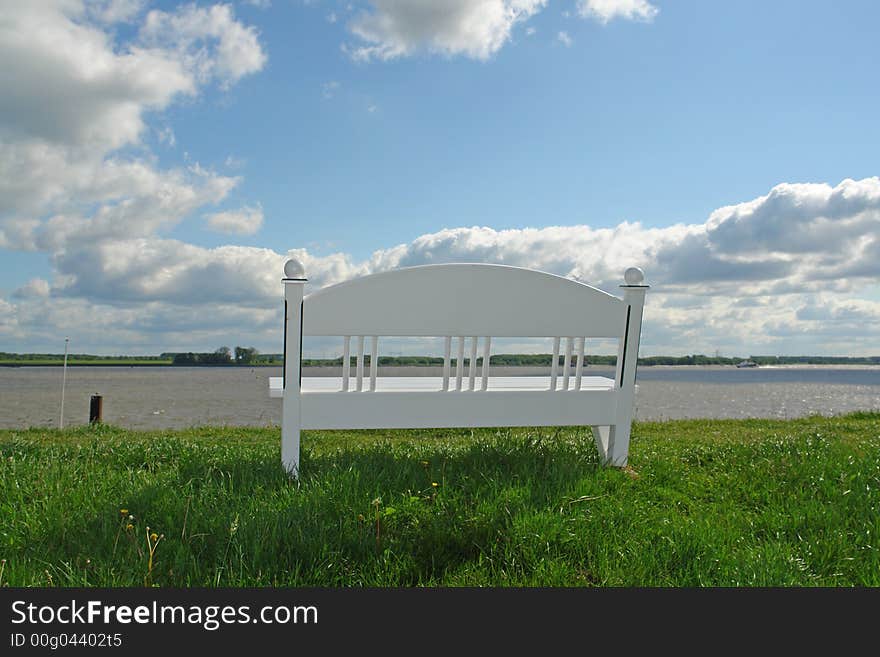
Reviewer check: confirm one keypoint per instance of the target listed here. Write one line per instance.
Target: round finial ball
(633, 276)
(293, 268)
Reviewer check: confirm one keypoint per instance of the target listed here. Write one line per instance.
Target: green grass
(722, 503)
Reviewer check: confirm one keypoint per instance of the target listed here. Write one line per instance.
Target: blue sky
(162, 159)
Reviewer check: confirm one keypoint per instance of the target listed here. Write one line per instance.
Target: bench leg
(290, 429)
(601, 436)
(613, 443)
(618, 445)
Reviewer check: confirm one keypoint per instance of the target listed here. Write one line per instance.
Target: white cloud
(246, 221)
(605, 11)
(81, 96)
(9, 319)
(233, 162)
(73, 86)
(776, 273)
(801, 218)
(77, 180)
(167, 271)
(130, 199)
(329, 89)
(209, 40)
(473, 28)
(19, 233)
(478, 29)
(141, 328)
(115, 11)
(166, 136)
(729, 283)
(36, 287)
(827, 308)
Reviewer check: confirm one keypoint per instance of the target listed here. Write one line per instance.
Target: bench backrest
(463, 300)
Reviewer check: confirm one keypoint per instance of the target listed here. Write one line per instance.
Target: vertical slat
(472, 366)
(578, 374)
(346, 361)
(459, 363)
(359, 385)
(554, 366)
(374, 361)
(447, 356)
(567, 365)
(487, 345)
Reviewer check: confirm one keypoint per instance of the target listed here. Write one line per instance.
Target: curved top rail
(463, 299)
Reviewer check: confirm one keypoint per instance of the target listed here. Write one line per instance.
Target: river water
(175, 397)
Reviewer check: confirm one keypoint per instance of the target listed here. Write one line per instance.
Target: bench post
(294, 281)
(613, 442)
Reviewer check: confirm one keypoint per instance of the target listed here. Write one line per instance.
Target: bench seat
(319, 384)
(419, 402)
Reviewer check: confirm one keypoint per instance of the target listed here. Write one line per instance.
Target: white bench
(468, 305)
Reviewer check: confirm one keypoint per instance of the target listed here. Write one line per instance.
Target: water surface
(174, 397)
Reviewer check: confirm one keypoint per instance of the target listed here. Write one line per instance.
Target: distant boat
(747, 363)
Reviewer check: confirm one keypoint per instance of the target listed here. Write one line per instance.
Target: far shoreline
(786, 366)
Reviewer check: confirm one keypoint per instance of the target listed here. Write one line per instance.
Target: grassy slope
(739, 503)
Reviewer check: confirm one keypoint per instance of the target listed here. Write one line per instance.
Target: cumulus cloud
(170, 271)
(782, 269)
(605, 11)
(77, 180)
(75, 97)
(9, 318)
(329, 89)
(115, 11)
(102, 199)
(472, 28)
(166, 136)
(36, 287)
(143, 328)
(826, 308)
(478, 29)
(800, 219)
(755, 294)
(71, 86)
(245, 221)
(209, 40)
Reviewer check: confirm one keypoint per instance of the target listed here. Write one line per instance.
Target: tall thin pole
(63, 383)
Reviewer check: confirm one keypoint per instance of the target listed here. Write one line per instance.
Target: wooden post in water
(96, 409)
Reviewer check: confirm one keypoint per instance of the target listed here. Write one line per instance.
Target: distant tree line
(545, 360)
(817, 360)
(250, 356)
(502, 360)
(397, 361)
(27, 357)
(223, 356)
